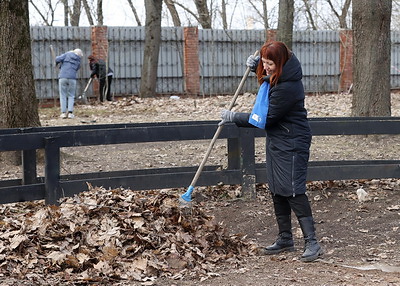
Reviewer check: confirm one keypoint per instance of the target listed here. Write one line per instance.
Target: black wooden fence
(242, 168)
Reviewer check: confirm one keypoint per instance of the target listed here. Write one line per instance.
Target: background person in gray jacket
(288, 143)
(69, 62)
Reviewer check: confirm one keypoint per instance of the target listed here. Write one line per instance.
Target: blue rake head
(187, 197)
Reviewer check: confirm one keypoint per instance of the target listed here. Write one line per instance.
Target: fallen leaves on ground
(110, 235)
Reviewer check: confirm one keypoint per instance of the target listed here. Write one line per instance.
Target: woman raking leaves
(288, 140)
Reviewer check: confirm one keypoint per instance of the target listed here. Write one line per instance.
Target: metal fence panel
(222, 57)
(62, 39)
(126, 49)
(318, 52)
(395, 60)
(170, 61)
(126, 45)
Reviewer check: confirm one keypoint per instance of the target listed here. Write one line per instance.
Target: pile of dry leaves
(111, 235)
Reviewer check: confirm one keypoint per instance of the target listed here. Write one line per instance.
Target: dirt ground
(360, 240)
(360, 237)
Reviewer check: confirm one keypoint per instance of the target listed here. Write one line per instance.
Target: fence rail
(242, 168)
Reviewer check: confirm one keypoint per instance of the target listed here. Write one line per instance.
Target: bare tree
(18, 104)
(72, 15)
(371, 58)
(187, 10)
(94, 11)
(174, 13)
(45, 13)
(135, 13)
(263, 14)
(151, 48)
(285, 22)
(309, 13)
(343, 15)
(223, 13)
(88, 12)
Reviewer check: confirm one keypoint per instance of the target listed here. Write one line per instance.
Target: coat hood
(291, 70)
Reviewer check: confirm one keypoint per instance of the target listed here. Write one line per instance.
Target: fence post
(233, 154)
(29, 167)
(248, 165)
(52, 171)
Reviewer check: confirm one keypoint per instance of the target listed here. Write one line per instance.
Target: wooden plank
(13, 194)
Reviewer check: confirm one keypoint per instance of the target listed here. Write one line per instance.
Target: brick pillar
(346, 60)
(99, 48)
(271, 35)
(191, 61)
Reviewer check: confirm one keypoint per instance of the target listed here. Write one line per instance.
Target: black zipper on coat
(293, 186)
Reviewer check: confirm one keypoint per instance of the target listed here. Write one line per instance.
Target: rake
(83, 96)
(186, 198)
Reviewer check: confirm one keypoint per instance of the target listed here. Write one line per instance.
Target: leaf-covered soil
(126, 237)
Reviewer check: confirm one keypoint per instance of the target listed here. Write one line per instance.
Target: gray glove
(252, 62)
(226, 116)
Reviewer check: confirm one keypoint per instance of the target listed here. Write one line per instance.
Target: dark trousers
(299, 204)
(105, 91)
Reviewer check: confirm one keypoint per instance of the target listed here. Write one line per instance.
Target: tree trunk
(66, 17)
(223, 15)
(18, 103)
(152, 48)
(285, 22)
(204, 14)
(100, 17)
(265, 15)
(371, 58)
(76, 13)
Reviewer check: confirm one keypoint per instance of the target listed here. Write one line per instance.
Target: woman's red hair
(274, 51)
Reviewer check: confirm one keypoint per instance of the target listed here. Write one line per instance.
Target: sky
(119, 13)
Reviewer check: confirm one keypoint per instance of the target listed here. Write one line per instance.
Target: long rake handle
(53, 54)
(87, 85)
(214, 139)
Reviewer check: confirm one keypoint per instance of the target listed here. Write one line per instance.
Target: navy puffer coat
(288, 132)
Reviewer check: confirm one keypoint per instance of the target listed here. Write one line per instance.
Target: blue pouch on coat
(258, 116)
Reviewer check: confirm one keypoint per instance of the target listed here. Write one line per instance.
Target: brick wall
(99, 48)
(191, 61)
(346, 60)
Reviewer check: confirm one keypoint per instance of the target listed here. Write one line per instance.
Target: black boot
(284, 241)
(312, 249)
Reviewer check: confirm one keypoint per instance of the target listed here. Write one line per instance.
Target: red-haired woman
(288, 145)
